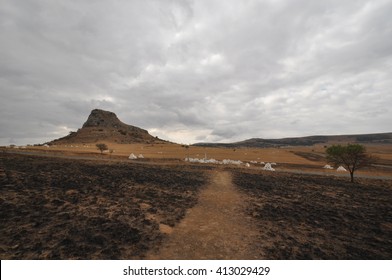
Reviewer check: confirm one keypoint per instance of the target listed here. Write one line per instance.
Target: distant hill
(385, 138)
(105, 126)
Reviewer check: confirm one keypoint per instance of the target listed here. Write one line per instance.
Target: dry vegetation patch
(319, 217)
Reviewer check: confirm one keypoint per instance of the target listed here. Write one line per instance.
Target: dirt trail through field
(216, 228)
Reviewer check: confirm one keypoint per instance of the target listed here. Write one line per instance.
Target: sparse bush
(102, 147)
(123, 132)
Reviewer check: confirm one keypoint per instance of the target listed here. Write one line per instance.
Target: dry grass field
(300, 158)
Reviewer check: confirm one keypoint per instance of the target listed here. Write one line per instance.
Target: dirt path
(216, 228)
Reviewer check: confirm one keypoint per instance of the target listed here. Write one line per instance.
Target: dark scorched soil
(319, 217)
(53, 208)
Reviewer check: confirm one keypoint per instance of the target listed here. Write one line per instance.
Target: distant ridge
(105, 126)
(383, 138)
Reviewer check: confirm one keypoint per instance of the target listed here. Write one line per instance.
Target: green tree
(187, 151)
(102, 147)
(351, 156)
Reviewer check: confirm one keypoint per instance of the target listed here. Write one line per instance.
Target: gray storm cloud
(193, 71)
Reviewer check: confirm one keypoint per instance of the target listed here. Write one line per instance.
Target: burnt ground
(319, 217)
(53, 208)
(59, 208)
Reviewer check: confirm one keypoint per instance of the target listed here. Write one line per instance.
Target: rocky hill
(105, 126)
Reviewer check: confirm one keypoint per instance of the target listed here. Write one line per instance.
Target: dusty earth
(57, 208)
(216, 228)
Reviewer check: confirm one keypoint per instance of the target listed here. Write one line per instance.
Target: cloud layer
(193, 71)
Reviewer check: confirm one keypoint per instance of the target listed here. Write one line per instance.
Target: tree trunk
(352, 176)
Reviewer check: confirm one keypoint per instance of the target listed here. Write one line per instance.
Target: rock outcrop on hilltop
(105, 126)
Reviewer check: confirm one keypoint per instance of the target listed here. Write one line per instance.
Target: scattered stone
(268, 167)
(341, 169)
(132, 156)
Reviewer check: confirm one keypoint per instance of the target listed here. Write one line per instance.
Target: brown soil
(216, 228)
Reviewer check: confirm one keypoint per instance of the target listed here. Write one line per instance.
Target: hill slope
(105, 126)
(385, 138)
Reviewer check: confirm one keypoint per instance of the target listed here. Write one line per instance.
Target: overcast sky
(196, 71)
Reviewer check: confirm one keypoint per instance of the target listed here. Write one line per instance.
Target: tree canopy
(351, 156)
